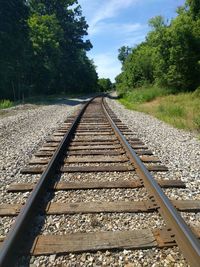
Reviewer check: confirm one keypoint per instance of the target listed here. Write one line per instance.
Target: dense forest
(43, 49)
(169, 56)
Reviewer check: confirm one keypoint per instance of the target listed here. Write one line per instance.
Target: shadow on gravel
(68, 102)
(114, 97)
(60, 101)
(35, 103)
(56, 100)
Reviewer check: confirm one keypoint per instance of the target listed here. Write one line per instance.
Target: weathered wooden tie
(100, 168)
(56, 208)
(20, 187)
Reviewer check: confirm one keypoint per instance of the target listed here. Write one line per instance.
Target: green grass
(180, 110)
(5, 104)
(142, 95)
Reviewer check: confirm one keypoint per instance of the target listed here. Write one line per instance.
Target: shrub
(144, 94)
(5, 103)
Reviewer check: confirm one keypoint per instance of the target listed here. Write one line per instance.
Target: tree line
(43, 49)
(169, 56)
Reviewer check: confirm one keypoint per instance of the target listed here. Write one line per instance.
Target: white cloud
(108, 9)
(115, 28)
(110, 32)
(134, 40)
(108, 65)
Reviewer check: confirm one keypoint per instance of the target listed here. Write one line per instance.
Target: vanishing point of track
(95, 140)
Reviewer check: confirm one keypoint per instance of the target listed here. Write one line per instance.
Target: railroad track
(94, 142)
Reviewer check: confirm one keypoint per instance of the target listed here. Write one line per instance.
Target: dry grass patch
(180, 110)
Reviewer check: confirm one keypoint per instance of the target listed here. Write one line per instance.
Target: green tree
(157, 23)
(104, 84)
(46, 35)
(43, 48)
(183, 71)
(170, 56)
(194, 6)
(72, 45)
(137, 68)
(14, 48)
(159, 43)
(124, 51)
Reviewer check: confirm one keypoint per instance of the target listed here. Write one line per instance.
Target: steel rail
(184, 237)
(10, 248)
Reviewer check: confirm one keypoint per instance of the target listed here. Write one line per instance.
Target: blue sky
(114, 23)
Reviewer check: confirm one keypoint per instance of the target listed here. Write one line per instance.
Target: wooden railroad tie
(95, 241)
(101, 168)
(21, 187)
(56, 208)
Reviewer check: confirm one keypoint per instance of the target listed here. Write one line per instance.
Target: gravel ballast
(177, 149)
(24, 132)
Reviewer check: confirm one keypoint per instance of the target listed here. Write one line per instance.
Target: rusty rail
(10, 249)
(186, 240)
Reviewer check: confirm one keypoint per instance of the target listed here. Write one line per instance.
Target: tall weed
(171, 110)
